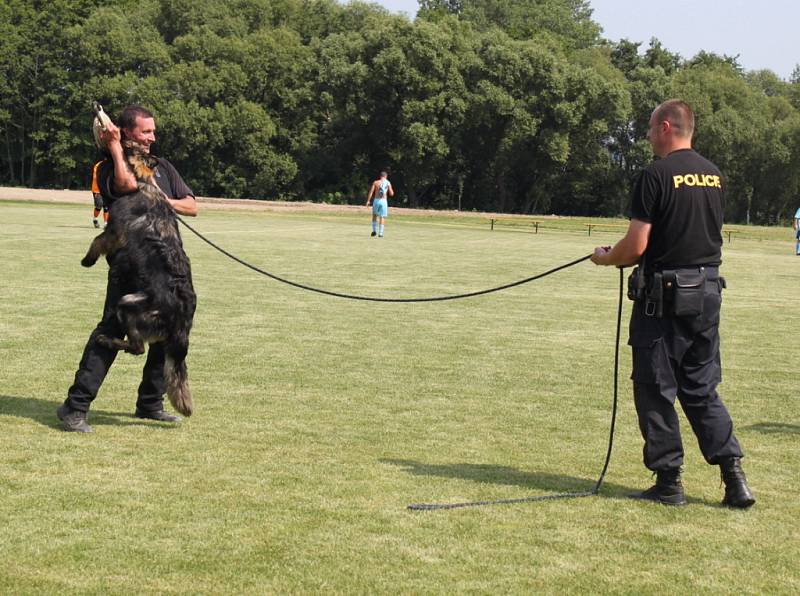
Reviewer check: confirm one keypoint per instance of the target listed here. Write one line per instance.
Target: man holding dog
(675, 237)
(115, 180)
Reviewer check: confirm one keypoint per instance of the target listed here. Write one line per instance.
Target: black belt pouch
(687, 294)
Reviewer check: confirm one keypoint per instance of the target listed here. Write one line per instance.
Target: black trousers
(678, 357)
(97, 359)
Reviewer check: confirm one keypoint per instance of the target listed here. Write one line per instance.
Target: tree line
(514, 106)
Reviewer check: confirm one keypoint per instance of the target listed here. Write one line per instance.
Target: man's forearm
(124, 180)
(184, 206)
(620, 255)
(628, 250)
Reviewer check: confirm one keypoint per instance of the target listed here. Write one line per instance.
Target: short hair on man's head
(384, 174)
(127, 119)
(678, 113)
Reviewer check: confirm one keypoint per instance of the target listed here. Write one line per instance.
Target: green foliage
(483, 104)
(750, 133)
(564, 23)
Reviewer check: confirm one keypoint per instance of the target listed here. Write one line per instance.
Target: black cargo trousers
(97, 359)
(678, 357)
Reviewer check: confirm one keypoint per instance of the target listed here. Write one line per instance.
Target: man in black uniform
(115, 181)
(675, 230)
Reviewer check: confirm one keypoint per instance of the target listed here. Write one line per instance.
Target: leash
(372, 298)
(437, 506)
(565, 495)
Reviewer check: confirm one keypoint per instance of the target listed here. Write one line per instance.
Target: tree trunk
(502, 195)
(32, 165)
(22, 155)
(10, 161)
(413, 199)
(529, 206)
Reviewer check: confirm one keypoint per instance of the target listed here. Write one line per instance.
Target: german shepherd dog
(162, 307)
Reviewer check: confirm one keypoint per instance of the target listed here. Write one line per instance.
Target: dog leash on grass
(436, 506)
(373, 298)
(564, 495)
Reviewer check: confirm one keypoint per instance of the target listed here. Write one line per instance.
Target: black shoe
(97, 225)
(160, 415)
(74, 420)
(668, 489)
(373, 234)
(737, 493)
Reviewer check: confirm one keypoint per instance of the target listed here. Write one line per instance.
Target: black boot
(668, 489)
(737, 493)
(74, 420)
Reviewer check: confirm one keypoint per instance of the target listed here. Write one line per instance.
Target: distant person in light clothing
(796, 227)
(379, 193)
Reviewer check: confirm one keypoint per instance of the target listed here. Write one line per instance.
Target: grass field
(319, 420)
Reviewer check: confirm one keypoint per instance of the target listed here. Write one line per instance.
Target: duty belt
(682, 288)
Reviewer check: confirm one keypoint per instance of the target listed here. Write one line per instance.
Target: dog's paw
(88, 261)
(136, 350)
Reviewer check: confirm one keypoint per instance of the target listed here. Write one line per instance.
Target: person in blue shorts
(796, 227)
(379, 193)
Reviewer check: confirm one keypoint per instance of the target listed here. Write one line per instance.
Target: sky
(763, 33)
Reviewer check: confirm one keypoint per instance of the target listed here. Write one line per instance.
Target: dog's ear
(140, 160)
(141, 170)
(150, 160)
(132, 147)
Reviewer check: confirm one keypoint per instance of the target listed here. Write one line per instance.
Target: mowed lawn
(318, 420)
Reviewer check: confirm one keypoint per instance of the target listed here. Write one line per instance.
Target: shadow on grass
(536, 481)
(44, 412)
(509, 476)
(774, 428)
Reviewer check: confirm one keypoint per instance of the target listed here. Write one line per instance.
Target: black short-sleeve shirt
(166, 176)
(682, 197)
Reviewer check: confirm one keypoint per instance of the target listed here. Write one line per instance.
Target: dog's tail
(177, 378)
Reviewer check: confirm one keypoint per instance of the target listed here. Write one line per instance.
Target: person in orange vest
(99, 204)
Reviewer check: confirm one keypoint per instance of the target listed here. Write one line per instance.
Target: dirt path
(84, 197)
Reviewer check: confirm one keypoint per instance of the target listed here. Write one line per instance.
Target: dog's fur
(162, 307)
